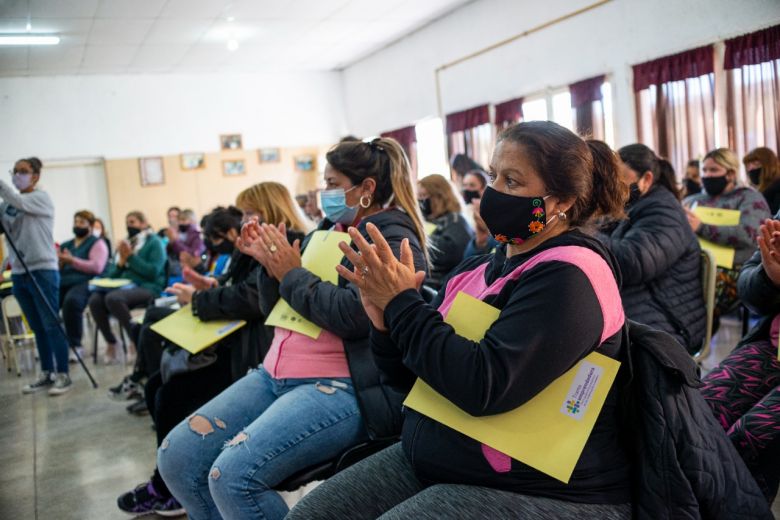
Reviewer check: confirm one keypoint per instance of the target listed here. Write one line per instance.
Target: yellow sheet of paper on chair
(191, 334)
(724, 255)
(321, 257)
(429, 227)
(548, 432)
(717, 216)
(110, 283)
(6, 285)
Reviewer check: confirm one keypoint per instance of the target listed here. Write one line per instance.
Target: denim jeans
(224, 461)
(51, 343)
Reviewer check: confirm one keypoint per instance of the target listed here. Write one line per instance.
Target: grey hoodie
(29, 220)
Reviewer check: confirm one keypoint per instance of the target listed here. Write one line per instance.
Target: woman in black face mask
(720, 168)
(82, 258)
(658, 254)
(141, 259)
(440, 206)
(763, 172)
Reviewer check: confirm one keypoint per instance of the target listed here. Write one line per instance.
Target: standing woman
(720, 168)
(311, 399)
(28, 219)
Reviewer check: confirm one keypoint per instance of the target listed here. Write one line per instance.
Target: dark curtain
(508, 113)
(677, 67)
(754, 48)
(462, 134)
(584, 94)
(407, 138)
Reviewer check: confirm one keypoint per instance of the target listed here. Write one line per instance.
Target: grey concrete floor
(70, 457)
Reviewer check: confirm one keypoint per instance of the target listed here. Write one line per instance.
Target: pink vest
(595, 268)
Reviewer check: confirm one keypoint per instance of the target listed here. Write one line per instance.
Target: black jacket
(550, 319)
(660, 260)
(772, 196)
(684, 464)
(338, 309)
(448, 243)
(237, 298)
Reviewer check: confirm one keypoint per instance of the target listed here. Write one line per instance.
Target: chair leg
(95, 348)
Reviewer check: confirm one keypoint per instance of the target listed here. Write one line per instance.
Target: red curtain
(752, 49)
(407, 138)
(460, 121)
(677, 67)
(508, 113)
(752, 64)
(586, 100)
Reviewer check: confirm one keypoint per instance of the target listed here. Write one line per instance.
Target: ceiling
(191, 36)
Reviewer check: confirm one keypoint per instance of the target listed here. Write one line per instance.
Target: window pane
(609, 127)
(535, 110)
(431, 150)
(562, 112)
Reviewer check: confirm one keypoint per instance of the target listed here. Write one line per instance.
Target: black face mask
(511, 219)
(183, 228)
(633, 193)
(714, 186)
(80, 232)
(132, 231)
(425, 207)
(692, 187)
(755, 176)
(223, 248)
(470, 195)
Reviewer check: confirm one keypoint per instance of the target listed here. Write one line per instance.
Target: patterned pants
(744, 394)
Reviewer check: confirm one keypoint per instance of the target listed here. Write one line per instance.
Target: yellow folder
(549, 431)
(724, 255)
(717, 216)
(321, 257)
(110, 283)
(191, 334)
(429, 227)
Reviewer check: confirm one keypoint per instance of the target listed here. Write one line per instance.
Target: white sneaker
(62, 384)
(43, 382)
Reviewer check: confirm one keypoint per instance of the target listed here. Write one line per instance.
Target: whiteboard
(73, 185)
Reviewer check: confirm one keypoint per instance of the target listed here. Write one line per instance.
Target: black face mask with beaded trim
(512, 219)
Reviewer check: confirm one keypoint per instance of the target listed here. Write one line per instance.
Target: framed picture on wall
(305, 162)
(230, 141)
(233, 167)
(268, 155)
(152, 171)
(193, 161)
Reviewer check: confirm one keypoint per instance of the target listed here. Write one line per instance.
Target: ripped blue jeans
(225, 459)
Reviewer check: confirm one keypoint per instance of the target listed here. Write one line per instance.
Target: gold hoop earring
(365, 201)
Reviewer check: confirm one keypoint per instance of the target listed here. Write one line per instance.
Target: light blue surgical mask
(334, 205)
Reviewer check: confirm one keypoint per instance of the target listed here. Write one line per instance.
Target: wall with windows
(606, 40)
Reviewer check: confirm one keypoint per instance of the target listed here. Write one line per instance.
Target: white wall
(395, 87)
(136, 115)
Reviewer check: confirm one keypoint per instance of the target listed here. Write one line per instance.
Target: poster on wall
(230, 141)
(305, 162)
(233, 167)
(152, 171)
(268, 155)
(193, 161)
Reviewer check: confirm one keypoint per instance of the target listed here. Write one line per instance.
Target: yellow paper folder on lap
(110, 283)
(321, 256)
(191, 334)
(724, 255)
(549, 431)
(717, 216)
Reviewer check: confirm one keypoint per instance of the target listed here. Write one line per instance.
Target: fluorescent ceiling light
(29, 39)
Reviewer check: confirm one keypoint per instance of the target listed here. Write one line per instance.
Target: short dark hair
(34, 163)
(221, 220)
(86, 215)
(641, 159)
(462, 164)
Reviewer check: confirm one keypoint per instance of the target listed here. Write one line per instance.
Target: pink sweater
(98, 256)
(296, 356)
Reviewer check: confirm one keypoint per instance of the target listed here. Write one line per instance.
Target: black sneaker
(138, 408)
(62, 384)
(126, 390)
(170, 508)
(141, 501)
(44, 381)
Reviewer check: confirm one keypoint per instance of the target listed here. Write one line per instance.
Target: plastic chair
(17, 333)
(709, 269)
(329, 468)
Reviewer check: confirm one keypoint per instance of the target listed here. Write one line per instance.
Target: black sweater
(660, 261)
(550, 319)
(448, 243)
(338, 309)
